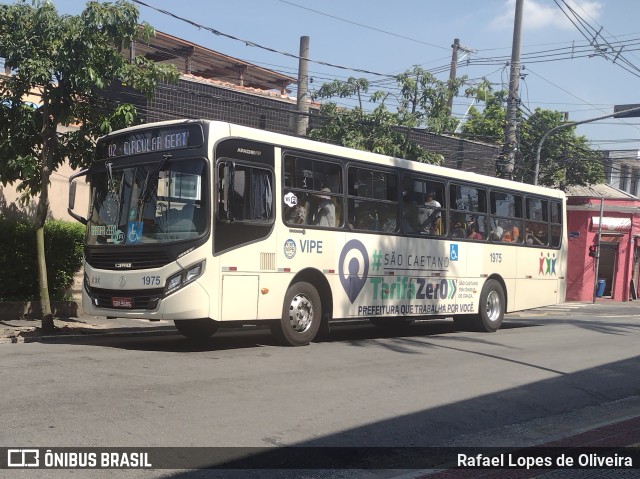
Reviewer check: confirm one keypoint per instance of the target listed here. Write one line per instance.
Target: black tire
(197, 329)
(301, 316)
(492, 307)
(391, 324)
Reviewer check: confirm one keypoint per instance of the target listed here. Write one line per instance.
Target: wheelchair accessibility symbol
(134, 232)
(453, 252)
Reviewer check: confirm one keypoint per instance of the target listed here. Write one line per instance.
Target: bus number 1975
(496, 257)
(151, 280)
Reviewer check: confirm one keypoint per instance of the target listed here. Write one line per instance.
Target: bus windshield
(156, 202)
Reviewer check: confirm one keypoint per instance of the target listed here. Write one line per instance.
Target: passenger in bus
(458, 228)
(472, 231)
(496, 233)
(365, 220)
(389, 224)
(543, 236)
(430, 216)
(532, 239)
(324, 213)
(298, 213)
(511, 235)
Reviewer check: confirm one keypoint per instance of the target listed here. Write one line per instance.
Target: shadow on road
(355, 333)
(391, 443)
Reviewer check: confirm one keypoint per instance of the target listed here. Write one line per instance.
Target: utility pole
(302, 119)
(506, 164)
(597, 258)
(456, 47)
(452, 72)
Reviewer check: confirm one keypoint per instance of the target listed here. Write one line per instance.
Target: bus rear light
(328, 271)
(264, 290)
(229, 268)
(284, 270)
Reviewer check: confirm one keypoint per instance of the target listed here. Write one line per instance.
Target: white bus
(208, 223)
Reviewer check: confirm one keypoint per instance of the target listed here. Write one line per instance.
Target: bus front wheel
(492, 306)
(301, 315)
(196, 328)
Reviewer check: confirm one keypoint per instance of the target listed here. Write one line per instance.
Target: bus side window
(423, 206)
(556, 224)
(373, 199)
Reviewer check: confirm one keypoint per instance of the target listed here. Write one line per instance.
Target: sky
(563, 68)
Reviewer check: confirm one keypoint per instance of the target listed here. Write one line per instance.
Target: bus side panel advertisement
(375, 290)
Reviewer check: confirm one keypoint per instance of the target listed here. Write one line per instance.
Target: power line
(364, 26)
(254, 44)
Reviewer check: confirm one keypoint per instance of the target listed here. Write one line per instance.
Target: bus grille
(128, 261)
(142, 298)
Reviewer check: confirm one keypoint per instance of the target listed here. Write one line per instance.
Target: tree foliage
(565, 158)
(421, 103)
(66, 61)
(63, 63)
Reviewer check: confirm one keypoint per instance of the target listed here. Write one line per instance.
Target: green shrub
(19, 272)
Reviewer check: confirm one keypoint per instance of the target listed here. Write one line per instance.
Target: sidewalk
(29, 330)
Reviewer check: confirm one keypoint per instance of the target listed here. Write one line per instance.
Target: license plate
(122, 302)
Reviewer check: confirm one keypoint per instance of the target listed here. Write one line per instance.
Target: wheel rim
(300, 313)
(493, 306)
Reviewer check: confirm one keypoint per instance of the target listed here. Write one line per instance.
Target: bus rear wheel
(197, 329)
(301, 316)
(490, 313)
(492, 306)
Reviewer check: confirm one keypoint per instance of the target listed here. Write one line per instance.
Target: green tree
(565, 159)
(486, 124)
(66, 61)
(421, 103)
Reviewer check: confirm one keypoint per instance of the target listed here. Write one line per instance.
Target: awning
(611, 239)
(611, 223)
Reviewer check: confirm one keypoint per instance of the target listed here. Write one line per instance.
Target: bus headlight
(183, 278)
(174, 283)
(193, 273)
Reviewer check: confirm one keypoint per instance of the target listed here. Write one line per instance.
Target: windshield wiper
(148, 186)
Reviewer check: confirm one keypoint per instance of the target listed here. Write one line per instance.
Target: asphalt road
(546, 374)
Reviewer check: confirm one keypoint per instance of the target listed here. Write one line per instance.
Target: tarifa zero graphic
(398, 294)
(353, 283)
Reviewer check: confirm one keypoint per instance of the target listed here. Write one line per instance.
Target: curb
(16, 310)
(17, 338)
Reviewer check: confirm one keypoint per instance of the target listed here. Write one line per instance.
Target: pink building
(619, 243)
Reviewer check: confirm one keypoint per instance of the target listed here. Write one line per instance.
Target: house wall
(11, 207)
(581, 267)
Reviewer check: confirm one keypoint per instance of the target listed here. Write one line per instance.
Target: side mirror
(72, 196)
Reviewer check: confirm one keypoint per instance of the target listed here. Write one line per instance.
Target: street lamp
(621, 113)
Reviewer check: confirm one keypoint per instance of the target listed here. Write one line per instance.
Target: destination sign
(151, 140)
